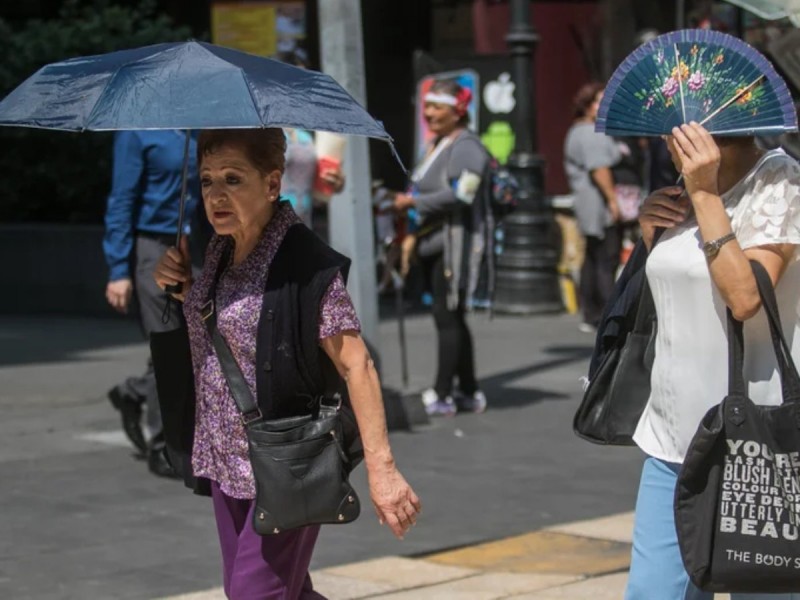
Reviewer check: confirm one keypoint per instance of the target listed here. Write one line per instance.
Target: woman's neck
(245, 240)
(737, 164)
(452, 133)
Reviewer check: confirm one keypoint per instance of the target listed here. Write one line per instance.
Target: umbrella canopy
(772, 9)
(187, 85)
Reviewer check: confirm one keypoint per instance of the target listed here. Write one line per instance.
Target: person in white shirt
(740, 203)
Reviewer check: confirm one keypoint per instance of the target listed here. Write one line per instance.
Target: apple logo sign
(498, 95)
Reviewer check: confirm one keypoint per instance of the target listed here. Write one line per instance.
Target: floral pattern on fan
(696, 75)
(700, 75)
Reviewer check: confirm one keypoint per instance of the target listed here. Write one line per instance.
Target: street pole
(680, 14)
(350, 212)
(527, 265)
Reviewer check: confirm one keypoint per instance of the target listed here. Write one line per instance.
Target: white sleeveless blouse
(690, 372)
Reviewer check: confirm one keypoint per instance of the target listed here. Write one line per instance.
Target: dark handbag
(619, 386)
(737, 500)
(299, 463)
(172, 366)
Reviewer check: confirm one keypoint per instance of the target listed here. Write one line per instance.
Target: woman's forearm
(350, 356)
(441, 201)
(730, 268)
(365, 396)
(604, 180)
(395, 502)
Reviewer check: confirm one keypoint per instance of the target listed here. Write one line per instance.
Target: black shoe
(158, 465)
(131, 413)
(157, 460)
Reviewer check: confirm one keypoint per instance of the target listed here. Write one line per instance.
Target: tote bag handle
(790, 379)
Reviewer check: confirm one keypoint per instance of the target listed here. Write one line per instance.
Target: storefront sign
(261, 28)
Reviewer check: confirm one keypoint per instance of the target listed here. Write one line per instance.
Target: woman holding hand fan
(710, 94)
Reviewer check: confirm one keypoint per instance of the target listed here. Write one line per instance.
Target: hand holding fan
(697, 75)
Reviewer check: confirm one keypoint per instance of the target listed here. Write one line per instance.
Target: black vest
(293, 370)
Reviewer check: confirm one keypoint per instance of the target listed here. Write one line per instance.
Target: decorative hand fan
(697, 75)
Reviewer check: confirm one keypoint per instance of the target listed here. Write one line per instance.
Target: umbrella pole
(184, 185)
(178, 287)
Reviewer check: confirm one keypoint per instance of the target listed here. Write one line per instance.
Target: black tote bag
(619, 385)
(737, 500)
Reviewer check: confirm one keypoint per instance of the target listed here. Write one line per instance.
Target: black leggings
(454, 339)
(598, 273)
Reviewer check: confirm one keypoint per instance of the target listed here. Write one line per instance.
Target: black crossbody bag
(300, 464)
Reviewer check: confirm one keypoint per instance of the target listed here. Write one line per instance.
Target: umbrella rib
(249, 91)
(101, 94)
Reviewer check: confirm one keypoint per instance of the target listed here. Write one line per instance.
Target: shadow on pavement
(32, 340)
(502, 395)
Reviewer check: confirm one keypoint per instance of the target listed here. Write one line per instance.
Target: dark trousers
(151, 302)
(598, 272)
(456, 357)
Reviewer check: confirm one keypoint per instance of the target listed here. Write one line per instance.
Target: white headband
(439, 98)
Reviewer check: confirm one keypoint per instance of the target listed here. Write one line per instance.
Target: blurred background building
(403, 41)
(579, 40)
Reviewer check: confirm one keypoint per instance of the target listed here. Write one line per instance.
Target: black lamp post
(527, 275)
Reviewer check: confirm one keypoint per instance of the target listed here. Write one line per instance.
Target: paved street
(82, 519)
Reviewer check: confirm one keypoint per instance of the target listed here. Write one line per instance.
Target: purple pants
(258, 567)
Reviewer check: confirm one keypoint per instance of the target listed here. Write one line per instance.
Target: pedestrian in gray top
(444, 186)
(588, 158)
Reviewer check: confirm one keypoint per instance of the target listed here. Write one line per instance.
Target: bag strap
(646, 308)
(790, 379)
(227, 362)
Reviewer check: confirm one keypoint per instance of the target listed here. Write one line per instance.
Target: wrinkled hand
(666, 207)
(118, 294)
(175, 266)
(699, 156)
(335, 178)
(395, 502)
(403, 202)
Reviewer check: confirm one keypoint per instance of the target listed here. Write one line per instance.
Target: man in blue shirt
(141, 223)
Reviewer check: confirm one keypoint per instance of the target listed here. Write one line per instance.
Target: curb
(584, 559)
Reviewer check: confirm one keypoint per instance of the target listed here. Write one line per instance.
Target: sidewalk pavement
(59, 432)
(584, 559)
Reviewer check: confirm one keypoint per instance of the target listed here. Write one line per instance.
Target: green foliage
(59, 176)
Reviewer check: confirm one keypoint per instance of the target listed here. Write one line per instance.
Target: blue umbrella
(187, 85)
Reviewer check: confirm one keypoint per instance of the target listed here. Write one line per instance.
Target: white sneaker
(436, 407)
(476, 403)
(429, 397)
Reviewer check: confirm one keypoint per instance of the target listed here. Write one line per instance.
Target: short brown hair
(585, 96)
(265, 148)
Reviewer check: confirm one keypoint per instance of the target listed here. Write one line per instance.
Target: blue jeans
(657, 571)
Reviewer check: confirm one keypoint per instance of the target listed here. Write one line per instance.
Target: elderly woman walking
(240, 176)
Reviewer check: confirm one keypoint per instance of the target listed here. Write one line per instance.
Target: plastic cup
(324, 164)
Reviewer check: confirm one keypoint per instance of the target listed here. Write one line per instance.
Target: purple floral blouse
(220, 444)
